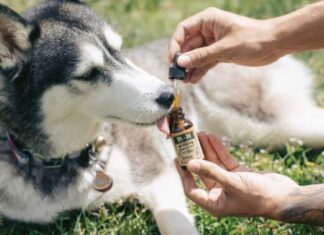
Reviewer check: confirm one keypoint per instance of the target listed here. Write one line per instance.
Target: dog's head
(61, 68)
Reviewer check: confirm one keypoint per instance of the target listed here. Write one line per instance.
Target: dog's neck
(71, 133)
(56, 139)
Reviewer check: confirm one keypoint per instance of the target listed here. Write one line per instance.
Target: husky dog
(64, 81)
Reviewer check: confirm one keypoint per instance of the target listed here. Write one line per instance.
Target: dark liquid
(177, 121)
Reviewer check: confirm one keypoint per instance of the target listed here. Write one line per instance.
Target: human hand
(232, 189)
(213, 36)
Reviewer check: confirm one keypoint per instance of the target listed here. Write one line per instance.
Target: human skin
(235, 190)
(214, 36)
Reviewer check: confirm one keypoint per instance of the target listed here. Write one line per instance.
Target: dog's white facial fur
(62, 121)
(129, 97)
(91, 57)
(113, 39)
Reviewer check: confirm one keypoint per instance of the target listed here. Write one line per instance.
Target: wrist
(280, 35)
(274, 39)
(304, 205)
(277, 204)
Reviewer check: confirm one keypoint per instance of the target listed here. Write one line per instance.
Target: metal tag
(102, 182)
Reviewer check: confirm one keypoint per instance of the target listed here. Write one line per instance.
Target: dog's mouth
(162, 123)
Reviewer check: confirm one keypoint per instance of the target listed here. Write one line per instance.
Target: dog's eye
(92, 74)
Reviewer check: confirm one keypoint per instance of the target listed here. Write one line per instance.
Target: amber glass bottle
(184, 137)
(183, 134)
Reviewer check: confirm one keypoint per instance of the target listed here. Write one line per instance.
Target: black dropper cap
(176, 71)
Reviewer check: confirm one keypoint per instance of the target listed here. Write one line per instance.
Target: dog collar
(25, 156)
(102, 182)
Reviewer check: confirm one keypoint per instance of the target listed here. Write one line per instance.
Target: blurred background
(140, 21)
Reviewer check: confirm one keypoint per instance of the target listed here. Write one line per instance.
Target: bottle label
(187, 146)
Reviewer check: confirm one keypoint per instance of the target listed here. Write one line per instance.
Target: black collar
(25, 156)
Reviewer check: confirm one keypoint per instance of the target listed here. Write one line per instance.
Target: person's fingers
(220, 51)
(200, 57)
(214, 172)
(203, 139)
(199, 73)
(187, 179)
(216, 201)
(189, 74)
(224, 156)
(193, 43)
(174, 47)
(208, 150)
(209, 184)
(196, 74)
(198, 195)
(210, 201)
(188, 27)
(210, 155)
(190, 188)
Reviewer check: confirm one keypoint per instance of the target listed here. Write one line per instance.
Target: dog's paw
(175, 222)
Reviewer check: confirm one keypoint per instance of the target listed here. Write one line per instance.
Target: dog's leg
(306, 125)
(166, 198)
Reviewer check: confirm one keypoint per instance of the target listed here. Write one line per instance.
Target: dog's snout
(166, 98)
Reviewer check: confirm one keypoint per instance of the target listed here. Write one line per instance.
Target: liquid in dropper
(177, 97)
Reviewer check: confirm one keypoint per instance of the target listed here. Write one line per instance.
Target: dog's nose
(166, 98)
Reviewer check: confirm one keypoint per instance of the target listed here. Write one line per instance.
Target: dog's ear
(16, 37)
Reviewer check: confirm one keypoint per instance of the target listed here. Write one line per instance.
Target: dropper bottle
(182, 132)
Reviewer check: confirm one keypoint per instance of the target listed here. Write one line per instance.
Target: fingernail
(183, 61)
(193, 166)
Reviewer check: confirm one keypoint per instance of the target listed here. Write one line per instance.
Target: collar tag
(102, 182)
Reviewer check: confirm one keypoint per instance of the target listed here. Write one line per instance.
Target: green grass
(143, 20)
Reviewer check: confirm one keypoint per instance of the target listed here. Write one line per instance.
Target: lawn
(139, 21)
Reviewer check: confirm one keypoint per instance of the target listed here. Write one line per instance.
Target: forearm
(304, 205)
(300, 30)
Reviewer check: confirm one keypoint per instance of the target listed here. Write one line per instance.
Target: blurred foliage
(140, 21)
(143, 20)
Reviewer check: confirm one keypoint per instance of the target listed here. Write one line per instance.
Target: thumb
(211, 171)
(200, 57)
